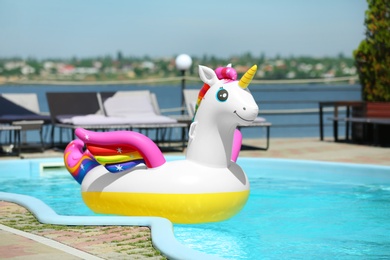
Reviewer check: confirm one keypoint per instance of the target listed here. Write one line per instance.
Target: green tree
(372, 57)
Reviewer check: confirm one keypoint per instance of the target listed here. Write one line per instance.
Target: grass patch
(136, 241)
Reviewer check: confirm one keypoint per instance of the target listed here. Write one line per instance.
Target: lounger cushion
(124, 106)
(259, 120)
(121, 109)
(130, 120)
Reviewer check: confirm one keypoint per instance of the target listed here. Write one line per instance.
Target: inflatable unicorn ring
(125, 173)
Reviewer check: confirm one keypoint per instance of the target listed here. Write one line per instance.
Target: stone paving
(14, 246)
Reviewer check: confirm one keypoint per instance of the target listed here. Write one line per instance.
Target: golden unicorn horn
(247, 78)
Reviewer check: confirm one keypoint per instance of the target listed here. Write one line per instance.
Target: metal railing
(284, 103)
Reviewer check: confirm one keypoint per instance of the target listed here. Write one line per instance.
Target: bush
(372, 57)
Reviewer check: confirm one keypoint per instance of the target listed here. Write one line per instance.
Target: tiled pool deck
(118, 242)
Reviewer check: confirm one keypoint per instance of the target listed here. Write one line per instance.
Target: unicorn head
(223, 104)
(225, 97)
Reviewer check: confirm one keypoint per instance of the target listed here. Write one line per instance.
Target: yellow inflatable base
(178, 208)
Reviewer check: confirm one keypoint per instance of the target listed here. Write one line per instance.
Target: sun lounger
(15, 106)
(140, 110)
(191, 96)
(63, 106)
(22, 110)
(134, 108)
(125, 110)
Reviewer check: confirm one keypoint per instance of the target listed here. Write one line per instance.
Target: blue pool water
(296, 210)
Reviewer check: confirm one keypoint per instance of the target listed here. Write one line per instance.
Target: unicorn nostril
(244, 108)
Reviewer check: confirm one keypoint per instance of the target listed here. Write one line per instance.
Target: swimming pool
(297, 209)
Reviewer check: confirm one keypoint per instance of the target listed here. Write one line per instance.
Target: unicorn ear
(207, 75)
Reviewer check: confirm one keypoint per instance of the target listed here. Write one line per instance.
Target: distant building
(26, 70)
(65, 69)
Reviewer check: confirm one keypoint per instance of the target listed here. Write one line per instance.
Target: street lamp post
(183, 63)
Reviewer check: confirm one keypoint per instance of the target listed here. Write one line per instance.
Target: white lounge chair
(134, 107)
(140, 110)
(122, 110)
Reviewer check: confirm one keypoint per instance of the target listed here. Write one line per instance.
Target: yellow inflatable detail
(179, 208)
(118, 158)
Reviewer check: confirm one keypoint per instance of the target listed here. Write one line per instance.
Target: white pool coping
(51, 243)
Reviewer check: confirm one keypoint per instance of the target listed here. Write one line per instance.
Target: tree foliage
(372, 57)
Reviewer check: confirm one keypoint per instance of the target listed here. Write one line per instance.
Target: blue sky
(76, 28)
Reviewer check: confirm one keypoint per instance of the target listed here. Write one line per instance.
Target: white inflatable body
(182, 191)
(207, 186)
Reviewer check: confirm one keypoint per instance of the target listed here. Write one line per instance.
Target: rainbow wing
(77, 161)
(116, 158)
(120, 151)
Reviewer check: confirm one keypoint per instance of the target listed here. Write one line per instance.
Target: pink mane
(223, 73)
(227, 73)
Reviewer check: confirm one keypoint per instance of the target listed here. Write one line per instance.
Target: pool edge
(162, 234)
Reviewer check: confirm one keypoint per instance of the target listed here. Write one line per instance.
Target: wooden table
(336, 105)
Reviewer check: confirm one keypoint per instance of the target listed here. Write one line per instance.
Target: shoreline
(347, 80)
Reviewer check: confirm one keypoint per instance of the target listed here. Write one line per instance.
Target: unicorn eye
(222, 95)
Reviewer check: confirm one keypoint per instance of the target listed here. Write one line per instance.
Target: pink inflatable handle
(237, 142)
(144, 145)
(75, 148)
(77, 161)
